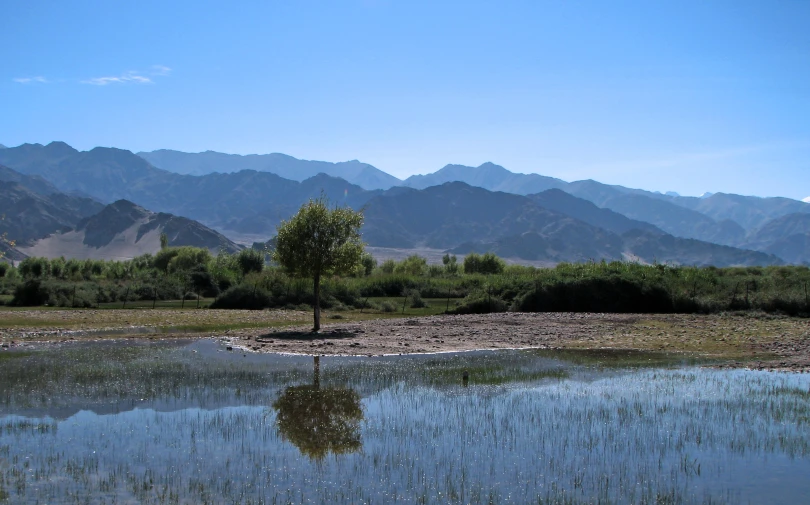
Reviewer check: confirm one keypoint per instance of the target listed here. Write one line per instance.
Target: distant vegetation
(481, 283)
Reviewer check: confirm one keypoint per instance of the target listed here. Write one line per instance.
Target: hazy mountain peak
(3, 147)
(806, 200)
(59, 148)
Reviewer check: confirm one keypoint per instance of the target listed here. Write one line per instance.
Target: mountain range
(457, 208)
(209, 162)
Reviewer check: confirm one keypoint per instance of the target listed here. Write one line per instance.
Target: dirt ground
(756, 341)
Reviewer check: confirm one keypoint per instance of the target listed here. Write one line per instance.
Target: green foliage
(450, 264)
(250, 260)
(388, 266)
(388, 307)
(35, 268)
(412, 265)
(487, 264)
(368, 263)
(601, 287)
(243, 297)
(318, 241)
(416, 299)
(188, 258)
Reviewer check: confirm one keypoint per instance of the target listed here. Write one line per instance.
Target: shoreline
(741, 340)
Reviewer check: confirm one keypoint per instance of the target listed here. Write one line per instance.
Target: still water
(189, 422)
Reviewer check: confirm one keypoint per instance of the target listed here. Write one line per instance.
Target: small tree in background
(319, 241)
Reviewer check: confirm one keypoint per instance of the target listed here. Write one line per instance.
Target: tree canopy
(319, 241)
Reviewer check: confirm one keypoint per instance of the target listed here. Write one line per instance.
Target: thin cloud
(30, 80)
(125, 78)
(160, 70)
(807, 200)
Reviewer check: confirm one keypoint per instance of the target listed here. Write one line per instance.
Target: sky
(686, 96)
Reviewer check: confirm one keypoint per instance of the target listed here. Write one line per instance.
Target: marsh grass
(161, 424)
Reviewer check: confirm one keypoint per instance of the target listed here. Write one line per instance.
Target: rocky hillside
(123, 230)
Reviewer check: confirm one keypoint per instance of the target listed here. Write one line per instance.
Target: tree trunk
(317, 302)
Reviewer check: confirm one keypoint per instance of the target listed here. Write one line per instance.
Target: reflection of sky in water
(682, 435)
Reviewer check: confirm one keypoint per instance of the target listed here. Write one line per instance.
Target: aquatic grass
(207, 430)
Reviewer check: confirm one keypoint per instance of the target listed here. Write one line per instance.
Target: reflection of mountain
(320, 420)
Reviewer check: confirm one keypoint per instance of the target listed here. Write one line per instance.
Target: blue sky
(684, 96)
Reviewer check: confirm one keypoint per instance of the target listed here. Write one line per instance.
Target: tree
(319, 241)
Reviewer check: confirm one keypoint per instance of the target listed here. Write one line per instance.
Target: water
(193, 423)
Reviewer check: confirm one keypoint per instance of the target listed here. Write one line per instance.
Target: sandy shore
(755, 341)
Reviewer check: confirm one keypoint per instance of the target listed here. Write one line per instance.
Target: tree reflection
(319, 421)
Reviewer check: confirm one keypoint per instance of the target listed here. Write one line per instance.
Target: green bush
(388, 307)
(243, 297)
(595, 295)
(480, 303)
(416, 299)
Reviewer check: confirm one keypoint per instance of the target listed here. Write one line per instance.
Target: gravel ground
(772, 343)
(755, 341)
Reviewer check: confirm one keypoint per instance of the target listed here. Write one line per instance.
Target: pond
(190, 422)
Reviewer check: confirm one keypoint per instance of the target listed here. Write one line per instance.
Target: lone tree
(320, 241)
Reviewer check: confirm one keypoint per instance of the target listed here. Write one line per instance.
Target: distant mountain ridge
(355, 172)
(534, 216)
(464, 219)
(488, 176)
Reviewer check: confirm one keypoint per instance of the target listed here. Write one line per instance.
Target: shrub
(595, 295)
(388, 307)
(243, 297)
(416, 299)
(480, 303)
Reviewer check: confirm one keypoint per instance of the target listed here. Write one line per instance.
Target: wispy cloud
(160, 70)
(807, 200)
(131, 77)
(127, 77)
(31, 80)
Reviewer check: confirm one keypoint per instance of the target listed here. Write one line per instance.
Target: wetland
(185, 420)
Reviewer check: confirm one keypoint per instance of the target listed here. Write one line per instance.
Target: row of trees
(319, 260)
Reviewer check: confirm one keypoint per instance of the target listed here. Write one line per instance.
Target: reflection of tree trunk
(317, 302)
(316, 379)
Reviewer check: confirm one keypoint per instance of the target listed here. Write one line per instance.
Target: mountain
(454, 213)
(668, 249)
(635, 245)
(34, 183)
(123, 230)
(564, 203)
(464, 219)
(787, 237)
(28, 215)
(488, 176)
(355, 172)
(246, 202)
(750, 212)
(564, 221)
(32, 159)
(2, 146)
(659, 211)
